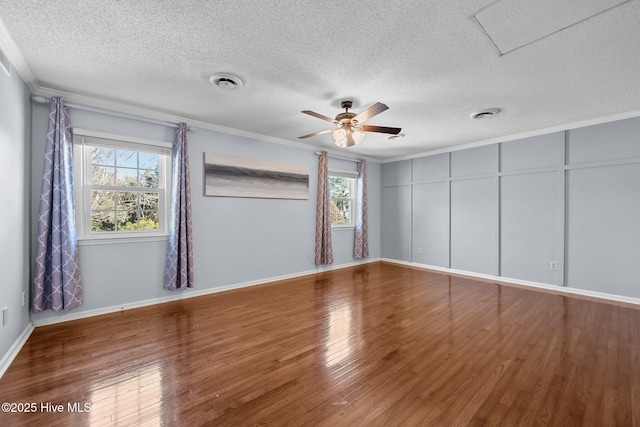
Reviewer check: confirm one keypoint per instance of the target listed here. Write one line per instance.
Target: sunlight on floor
(339, 338)
(128, 399)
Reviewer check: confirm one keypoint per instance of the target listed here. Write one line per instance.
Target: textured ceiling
(427, 60)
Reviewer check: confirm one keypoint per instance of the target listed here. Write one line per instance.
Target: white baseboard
(15, 349)
(179, 295)
(509, 281)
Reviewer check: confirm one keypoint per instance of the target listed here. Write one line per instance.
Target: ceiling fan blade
(318, 115)
(375, 109)
(380, 129)
(320, 132)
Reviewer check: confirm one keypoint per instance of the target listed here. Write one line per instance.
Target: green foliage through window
(124, 190)
(342, 199)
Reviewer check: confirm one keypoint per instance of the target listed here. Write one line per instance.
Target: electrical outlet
(553, 265)
(419, 251)
(406, 248)
(23, 300)
(5, 315)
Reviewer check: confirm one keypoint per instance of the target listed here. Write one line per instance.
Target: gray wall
(396, 203)
(431, 213)
(513, 209)
(15, 118)
(603, 208)
(236, 240)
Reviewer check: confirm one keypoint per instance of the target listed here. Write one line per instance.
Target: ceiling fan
(349, 127)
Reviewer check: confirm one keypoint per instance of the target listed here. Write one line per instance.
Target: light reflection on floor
(129, 399)
(339, 337)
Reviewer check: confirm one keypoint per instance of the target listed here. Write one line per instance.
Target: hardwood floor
(373, 345)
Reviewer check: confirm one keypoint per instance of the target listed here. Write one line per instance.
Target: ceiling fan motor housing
(345, 117)
(346, 104)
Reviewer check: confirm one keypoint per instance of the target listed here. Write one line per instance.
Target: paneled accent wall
(560, 209)
(395, 204)
(603, 208)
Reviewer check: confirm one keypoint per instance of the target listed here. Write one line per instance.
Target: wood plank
(378, 344)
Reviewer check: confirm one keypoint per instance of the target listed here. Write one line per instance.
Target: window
(342, 186)
(121, 185)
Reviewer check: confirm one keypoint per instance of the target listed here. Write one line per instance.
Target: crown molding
(529, 134)
(13, 54)
(144, 113)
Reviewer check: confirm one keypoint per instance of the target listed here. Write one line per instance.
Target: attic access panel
(512, 24)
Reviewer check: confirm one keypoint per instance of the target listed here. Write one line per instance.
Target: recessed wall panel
(603, 229)
(529, 227)
(603, 142)
(473, 225)
(430, 241)
(530, 153)
(430, 168)
(395, 227)
(475, 161)
(396, 173)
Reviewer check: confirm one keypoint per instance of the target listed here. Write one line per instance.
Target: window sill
(343, 227)
(88, 241)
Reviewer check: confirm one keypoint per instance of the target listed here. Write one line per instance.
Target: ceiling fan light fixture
(339, 134)
(346, 139)
(342, 143)
(349, 131)
(357, 136)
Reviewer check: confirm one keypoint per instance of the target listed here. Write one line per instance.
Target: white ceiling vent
(485, 114)
(226, 81)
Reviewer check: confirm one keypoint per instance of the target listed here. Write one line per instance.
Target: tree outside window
(124, 195)
(342, 191)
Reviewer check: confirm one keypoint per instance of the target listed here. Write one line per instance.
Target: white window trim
(353, 175)
(82, 158)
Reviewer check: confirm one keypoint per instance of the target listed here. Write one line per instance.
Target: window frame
(83, 139)
(353, 177)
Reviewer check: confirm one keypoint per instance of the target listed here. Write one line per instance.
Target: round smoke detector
(485, 114)
(226, 81)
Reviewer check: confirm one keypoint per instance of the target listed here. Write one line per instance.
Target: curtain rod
(340, 158)
(43, 100)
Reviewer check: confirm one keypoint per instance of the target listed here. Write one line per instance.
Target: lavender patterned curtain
(361, 243)
(324, 250)
(178, 272)
(57, 284)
